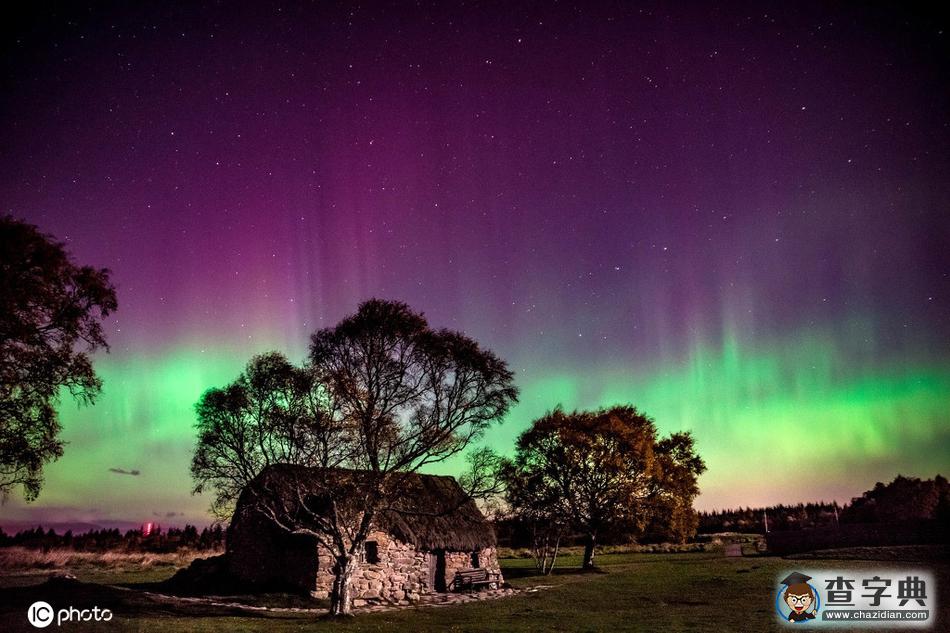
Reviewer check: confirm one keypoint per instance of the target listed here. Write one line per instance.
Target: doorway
(437, 570)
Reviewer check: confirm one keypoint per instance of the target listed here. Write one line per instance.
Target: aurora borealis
(734, 218)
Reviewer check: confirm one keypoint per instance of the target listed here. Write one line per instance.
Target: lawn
(665, 593)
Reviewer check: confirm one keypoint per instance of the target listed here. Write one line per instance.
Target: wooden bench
(477, 577)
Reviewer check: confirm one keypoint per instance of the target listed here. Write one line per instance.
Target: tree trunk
(589, 551)
(557, 546)
(341, 597)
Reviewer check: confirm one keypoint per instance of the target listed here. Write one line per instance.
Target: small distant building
(417, 550)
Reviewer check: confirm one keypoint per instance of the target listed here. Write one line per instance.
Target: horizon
(736, 223)
(124, 525)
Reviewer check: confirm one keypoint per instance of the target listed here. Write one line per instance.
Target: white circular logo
(40, 614)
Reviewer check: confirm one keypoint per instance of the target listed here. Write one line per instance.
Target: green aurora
(794, 420)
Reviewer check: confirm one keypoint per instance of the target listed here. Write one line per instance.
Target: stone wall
(488, 558)
(402, 573)
(457, 561)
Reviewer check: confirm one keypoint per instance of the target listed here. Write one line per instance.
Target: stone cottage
(412, 550)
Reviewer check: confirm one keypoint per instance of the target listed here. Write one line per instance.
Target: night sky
(735, 218)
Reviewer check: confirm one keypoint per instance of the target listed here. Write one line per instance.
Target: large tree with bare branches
(387, 396)
(273, 413)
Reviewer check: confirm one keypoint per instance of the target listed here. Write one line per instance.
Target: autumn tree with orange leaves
(607, 469)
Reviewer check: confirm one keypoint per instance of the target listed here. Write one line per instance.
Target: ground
(668, 593)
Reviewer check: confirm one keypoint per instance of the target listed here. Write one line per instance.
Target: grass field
(665, 593)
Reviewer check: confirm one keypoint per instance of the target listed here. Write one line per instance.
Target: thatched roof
(429, 511)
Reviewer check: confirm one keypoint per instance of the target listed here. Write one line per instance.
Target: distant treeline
(779, 517)
(902, 500)
(155, 540)
(514, 533)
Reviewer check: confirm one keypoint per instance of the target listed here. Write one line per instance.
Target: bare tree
(401, 396)
(274, 413)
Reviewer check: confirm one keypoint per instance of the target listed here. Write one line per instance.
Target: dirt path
(429, 600)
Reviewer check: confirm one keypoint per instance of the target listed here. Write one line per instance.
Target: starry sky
(734, 217)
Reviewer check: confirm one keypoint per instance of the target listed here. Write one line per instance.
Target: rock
(62, 578)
